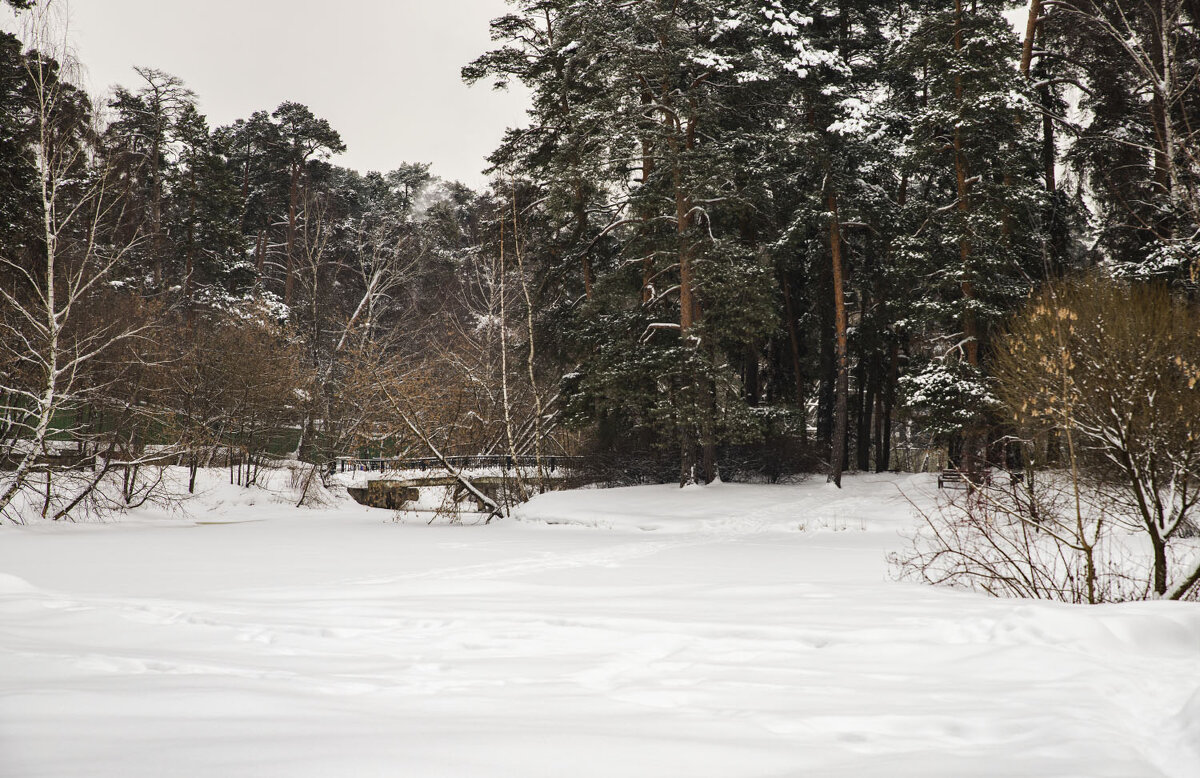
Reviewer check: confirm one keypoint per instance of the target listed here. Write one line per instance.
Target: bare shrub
(1099, 378)
(1112, 369)
(1030, 539)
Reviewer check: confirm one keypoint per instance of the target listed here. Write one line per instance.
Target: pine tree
(302, 138)
(841, 199)
(1140, 150)
(17, 194)
(249, 146)
(648, 102)
(973, 150)
(143, 142)
(204, 216)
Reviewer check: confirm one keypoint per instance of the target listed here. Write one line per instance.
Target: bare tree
(48, 352)
(410, 407)
(384, 265)
(333, 332)
(539, 410)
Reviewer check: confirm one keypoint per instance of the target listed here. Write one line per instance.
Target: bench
(967, 480)
(954, 476)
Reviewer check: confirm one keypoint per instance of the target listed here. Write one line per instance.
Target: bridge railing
(501, 461)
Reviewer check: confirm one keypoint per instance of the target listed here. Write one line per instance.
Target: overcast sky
(383, 72)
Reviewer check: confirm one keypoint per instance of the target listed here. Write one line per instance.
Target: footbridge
(473, 462)
(396, 482)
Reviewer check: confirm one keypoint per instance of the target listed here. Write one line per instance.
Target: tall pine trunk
(1031, 25)
(970, 325)
(689, 309)
(797, 371)
(887, 401)
(293, 203)
(838, 451)
(867, 390)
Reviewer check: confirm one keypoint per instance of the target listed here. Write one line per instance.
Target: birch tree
(48, 354)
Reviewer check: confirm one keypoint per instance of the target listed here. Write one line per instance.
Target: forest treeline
(786, 234)
(746, 237)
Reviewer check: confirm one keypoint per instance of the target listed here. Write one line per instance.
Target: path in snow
(642, 632)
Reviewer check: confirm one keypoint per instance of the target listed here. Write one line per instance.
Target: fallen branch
(493, 508)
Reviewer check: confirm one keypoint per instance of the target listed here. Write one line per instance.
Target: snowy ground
(720, 631)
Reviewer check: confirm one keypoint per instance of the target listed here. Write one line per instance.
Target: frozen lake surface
(721, 631)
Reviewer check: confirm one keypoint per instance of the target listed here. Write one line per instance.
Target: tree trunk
(1035, 30)
(868, 374)
(827, 361)
(191, 248)
(883, 443)
(504, 394)
(838, 453)
(581, 221)
(156, 213)
(797, 372)
(708, 450)
(689, 316)
(531, 354)
(49, 396)
(877, 434)
(1160, 562)
(961, 175)
(647, 169)
(260, 255)
(970, 325)
(1049, 152)
(750, 377)
(46, 497)
(687, 457)
(1031, 25)
(1186, 584)
(293, 202)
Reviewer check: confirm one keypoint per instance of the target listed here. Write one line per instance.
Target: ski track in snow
(725, 647)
